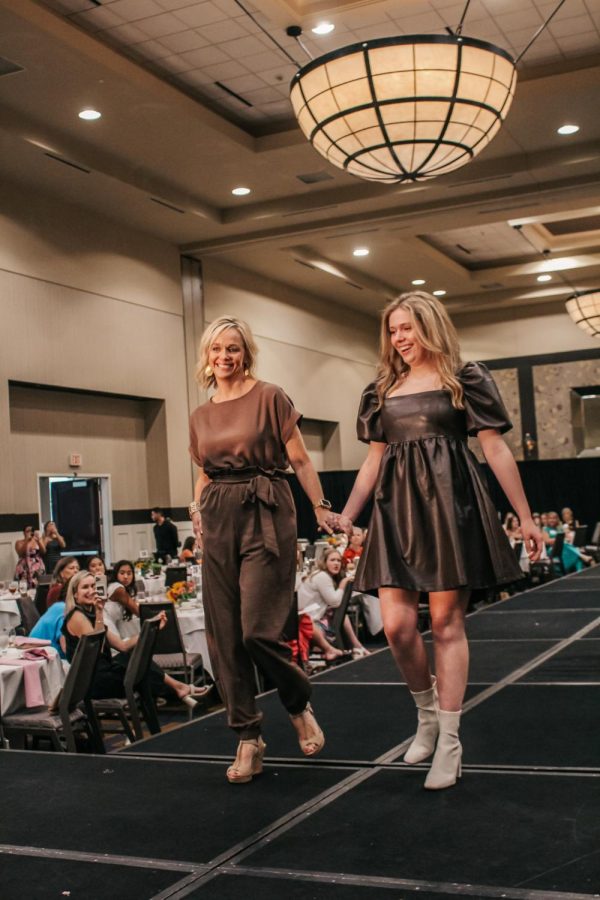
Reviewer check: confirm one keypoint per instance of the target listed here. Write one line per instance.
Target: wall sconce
(530, 445)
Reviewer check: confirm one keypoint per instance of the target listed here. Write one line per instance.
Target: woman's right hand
(197, 528)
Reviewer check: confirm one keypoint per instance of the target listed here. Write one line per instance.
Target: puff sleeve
(368, 422)
(484, 407)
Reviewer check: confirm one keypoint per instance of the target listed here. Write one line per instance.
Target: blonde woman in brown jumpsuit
(242, 439)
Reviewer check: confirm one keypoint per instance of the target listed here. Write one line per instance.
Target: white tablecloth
(12, 692)
(193, 633)
(9, 613)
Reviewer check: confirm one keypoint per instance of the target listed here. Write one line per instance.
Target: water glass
(13, 587)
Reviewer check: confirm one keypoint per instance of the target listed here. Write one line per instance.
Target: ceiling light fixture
(406, 108)
(439, 293)
(89, 114)
(544, 278)
(241, 191)
(567, 129)
(584, 309)
(417, 281)
(361, 251)
(323, 28)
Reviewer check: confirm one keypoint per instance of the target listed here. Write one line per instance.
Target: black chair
(137, 688)
(29, 614)
(580, 536)
(173, 574)
(41, 594)
(336, 622)
(555, 553)
(169, 651)
(45, 723)
(309, 552)
(518, 549)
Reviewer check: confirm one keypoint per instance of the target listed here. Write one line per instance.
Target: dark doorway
(76, 509)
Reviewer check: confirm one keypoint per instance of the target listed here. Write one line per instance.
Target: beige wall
(500, 335)
(320, 354)
(85, 303)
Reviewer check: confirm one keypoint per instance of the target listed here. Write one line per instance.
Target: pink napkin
(31, 679)
(36, 653)
(24, 641)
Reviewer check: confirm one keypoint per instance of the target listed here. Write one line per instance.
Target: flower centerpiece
(147, 567)
(181, 590)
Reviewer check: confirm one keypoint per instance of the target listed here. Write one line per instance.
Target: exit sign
(75, 460)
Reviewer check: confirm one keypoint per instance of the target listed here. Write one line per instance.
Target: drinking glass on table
(22, 587)
(3, 639)
(13, 587)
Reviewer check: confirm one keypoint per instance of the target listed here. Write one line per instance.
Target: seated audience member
(30, 564)
(65, 568)
(321, 593)
(121, 617)
(569, 523)
(96, 565)
(355, 546)
(52, 545)
(573, 559)
(512, 527)
(84, 613)
(49, 627)
(189, 550)
(537, 520)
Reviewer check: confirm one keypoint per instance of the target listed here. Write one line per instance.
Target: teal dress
(570, 556)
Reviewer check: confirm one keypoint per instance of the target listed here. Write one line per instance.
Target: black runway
(159, 821)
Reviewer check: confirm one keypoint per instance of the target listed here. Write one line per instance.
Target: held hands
(342, 523)
(532, 536)
(324, 517)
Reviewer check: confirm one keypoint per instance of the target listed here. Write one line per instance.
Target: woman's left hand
(532, 536)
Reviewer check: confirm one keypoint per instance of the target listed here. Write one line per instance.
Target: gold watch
(322, 504)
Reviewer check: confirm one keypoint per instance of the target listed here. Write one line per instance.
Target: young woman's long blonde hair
(434, 331)
(206, 379)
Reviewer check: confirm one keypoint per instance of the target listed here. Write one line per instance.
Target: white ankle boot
(446, 765)
(423, 744)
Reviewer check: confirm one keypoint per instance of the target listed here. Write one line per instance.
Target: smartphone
(100, 587)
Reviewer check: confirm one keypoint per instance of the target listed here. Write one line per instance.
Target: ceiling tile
(97, 18)
(171, 5)
(246, 46)
(227, 30)
(130, 10)
(245, 84)
(257, 98)
(125, 34)
(225, 70)
(384, 29)
(421, 24)
(157, 26)
(528, 18)
(265, 61)
(282, 74)
(196, 77)
(151, 49)
(204, 56)
(576, 25)
(183, 41)
(201, 14)
(174, 64)
(232, 10)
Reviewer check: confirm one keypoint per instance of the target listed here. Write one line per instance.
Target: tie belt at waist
(259, 489)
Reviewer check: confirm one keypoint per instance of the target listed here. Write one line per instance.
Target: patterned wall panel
(508, 385)
(552, 385)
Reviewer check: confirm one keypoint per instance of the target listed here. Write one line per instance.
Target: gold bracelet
(194, 507)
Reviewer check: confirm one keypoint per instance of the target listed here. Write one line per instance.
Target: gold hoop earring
(246, 372)
(208, 371)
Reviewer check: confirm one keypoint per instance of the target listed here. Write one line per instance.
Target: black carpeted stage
(160, 821)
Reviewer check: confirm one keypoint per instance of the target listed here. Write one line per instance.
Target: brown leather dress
(434, 526)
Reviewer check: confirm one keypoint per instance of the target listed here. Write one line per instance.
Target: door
(76, 509)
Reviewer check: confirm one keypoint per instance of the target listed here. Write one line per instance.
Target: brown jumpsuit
(249, 562)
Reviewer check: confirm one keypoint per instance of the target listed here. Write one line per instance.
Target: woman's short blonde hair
(74, 582)
(223, 323)
(434, 331)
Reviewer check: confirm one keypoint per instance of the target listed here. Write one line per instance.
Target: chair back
(41, 596)
(169, 638)
(174, 574)
(579, 538)
(555, 551)
(518, 549)
(81, 674)
(141, 656)
(596, 535)
(337, 620)
(309, 551)
(290, 629)
(28, 612)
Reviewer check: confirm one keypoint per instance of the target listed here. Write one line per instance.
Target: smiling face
(404, 339)
(69, 570)
(226, 355)
(86, 591)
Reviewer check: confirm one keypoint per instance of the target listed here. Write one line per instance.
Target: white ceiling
(170, 135)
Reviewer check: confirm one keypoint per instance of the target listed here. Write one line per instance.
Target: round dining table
(13, 694)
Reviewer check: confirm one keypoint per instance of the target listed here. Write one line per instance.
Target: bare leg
(351, 635)
(182, 690)
(399, 611)
(329, 651)
(447, 610)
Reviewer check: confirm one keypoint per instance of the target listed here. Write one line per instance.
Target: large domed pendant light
(584, 309)
(405, 108)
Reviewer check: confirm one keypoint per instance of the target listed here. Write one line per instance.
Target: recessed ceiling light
(417, 281)
(544, 278)
(568, 129)
(439, 293)
(361, 251)
(241, 191)
(323, 28)
(89, 114)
